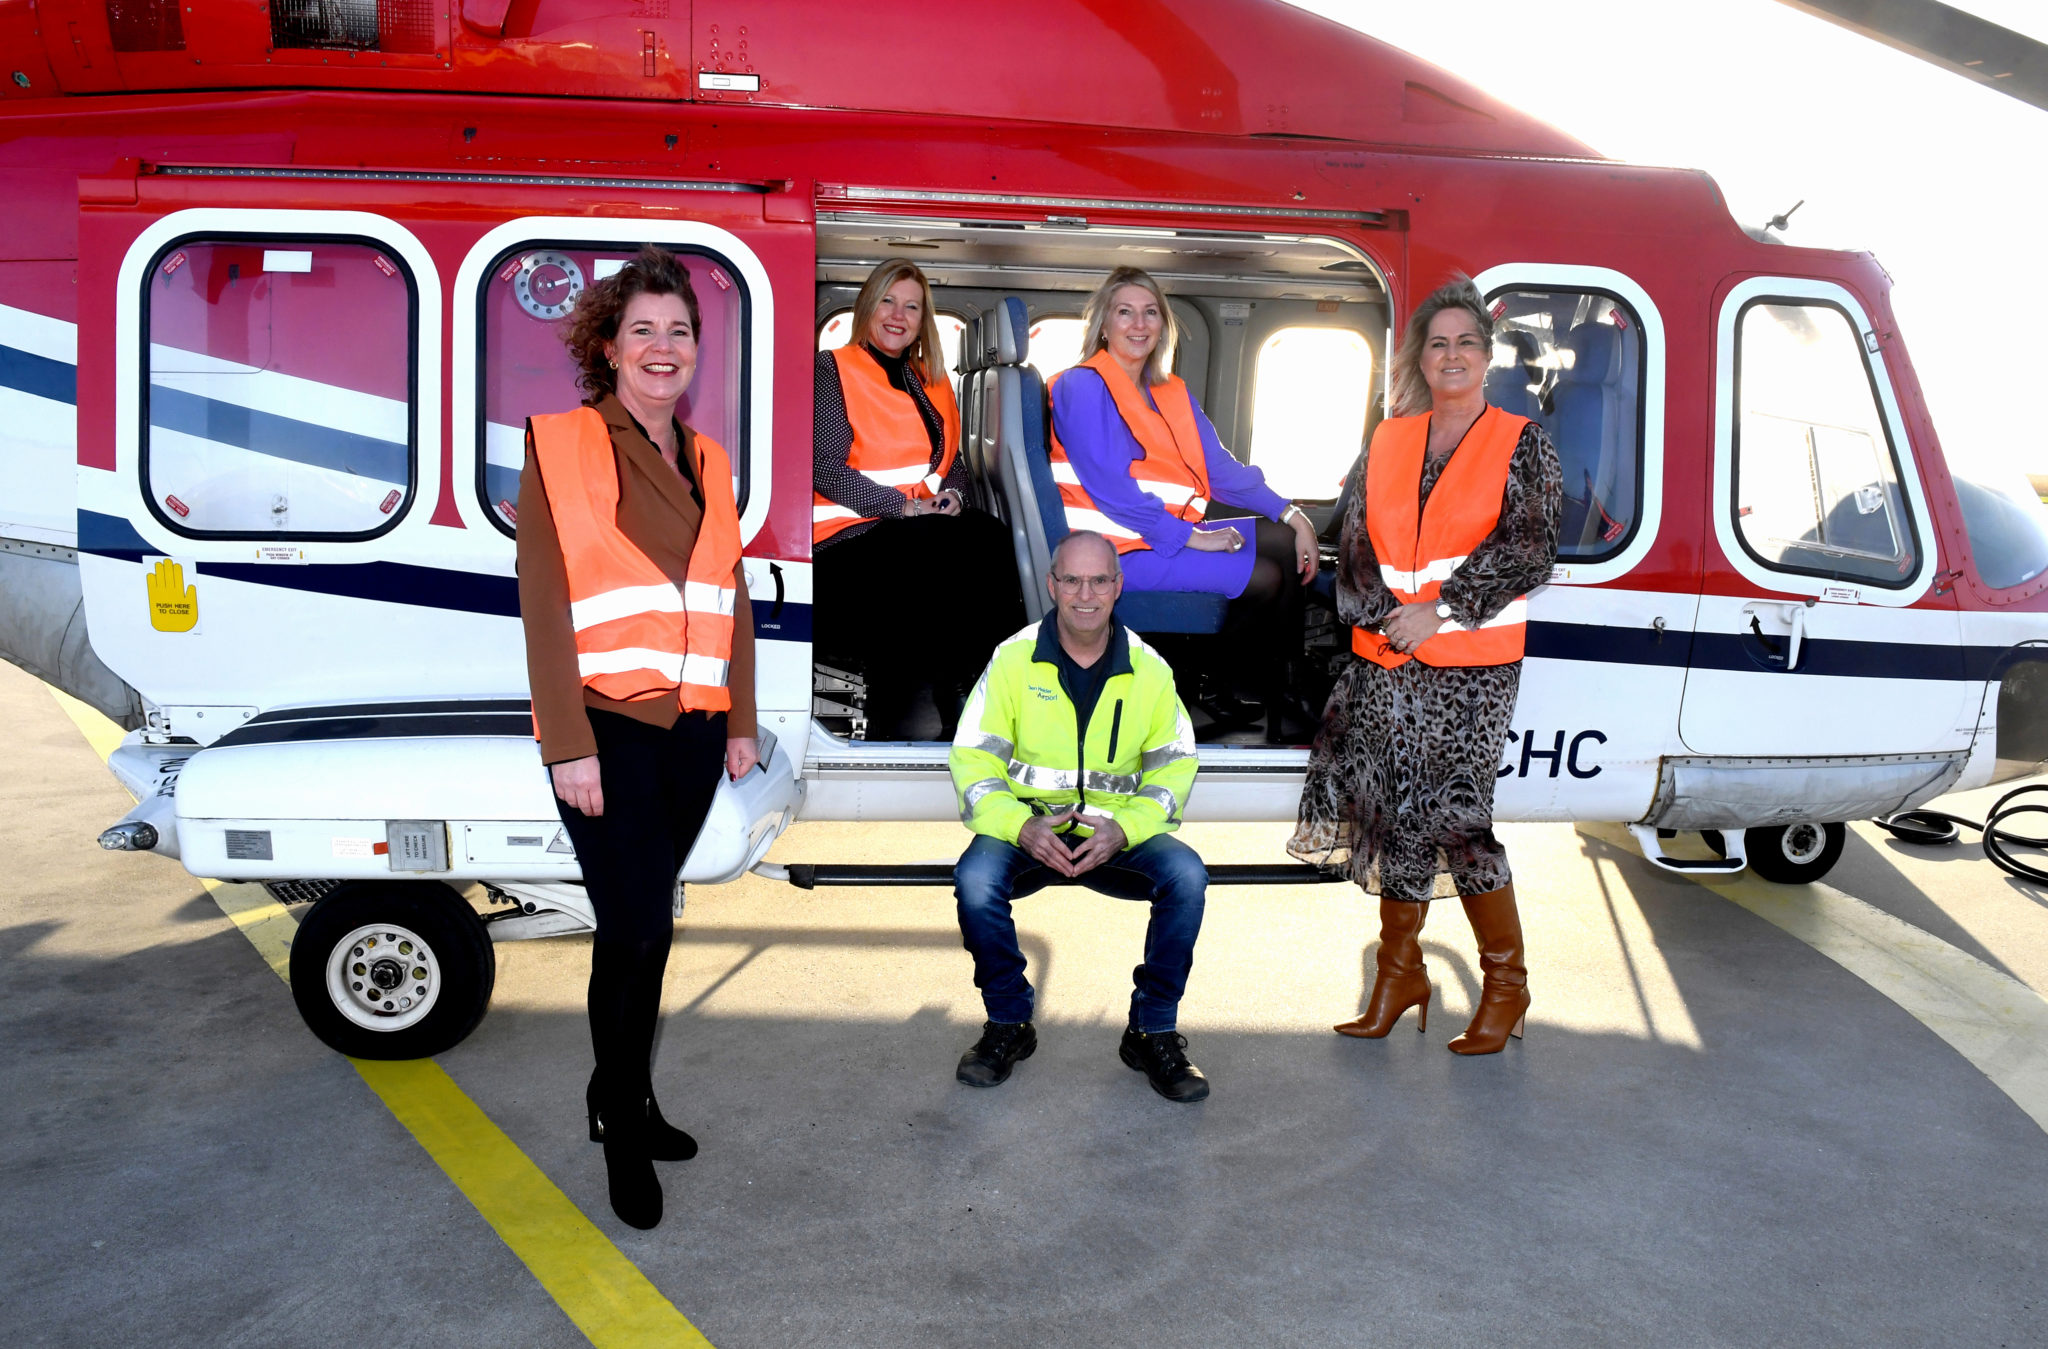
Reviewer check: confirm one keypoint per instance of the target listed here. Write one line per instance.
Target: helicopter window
(257, 422)
(1816, 480)
(1055, 344)
(523, 368)
(837, 331)
(1311, 390)
(1573, 361)
(2007, 524)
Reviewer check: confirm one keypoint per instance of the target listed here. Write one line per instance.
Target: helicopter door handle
(1788, 643)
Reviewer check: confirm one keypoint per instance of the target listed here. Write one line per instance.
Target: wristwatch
(1443, 611)
(1292, 509)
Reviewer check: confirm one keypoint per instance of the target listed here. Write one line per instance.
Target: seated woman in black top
(909, 581)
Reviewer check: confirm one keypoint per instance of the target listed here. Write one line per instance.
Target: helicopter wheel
(1794, 854)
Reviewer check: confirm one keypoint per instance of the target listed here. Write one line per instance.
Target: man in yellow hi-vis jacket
(1074, 760)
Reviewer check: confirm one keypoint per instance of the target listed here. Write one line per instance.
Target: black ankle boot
(629, 1170)
(665, 1142)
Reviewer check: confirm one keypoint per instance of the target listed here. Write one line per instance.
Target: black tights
(658, 786)
(1262, 629)
(922, 599)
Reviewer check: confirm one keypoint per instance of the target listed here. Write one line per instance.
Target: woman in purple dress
(1137, 460)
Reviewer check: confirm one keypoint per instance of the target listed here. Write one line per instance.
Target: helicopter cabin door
(1821, 629)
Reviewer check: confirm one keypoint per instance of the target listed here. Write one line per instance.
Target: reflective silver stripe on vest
(1041, 779)
(1516, 612)
(624, 602)
(1409, 582)
(1081, 518)
(907, 476)
(970, 798)
(987, 744)
(706, 670)
(1172, 753)
(702, 597)
(1166, 799)
(1117, 783)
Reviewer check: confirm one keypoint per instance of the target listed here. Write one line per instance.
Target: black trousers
(658, 786)
(923, 599)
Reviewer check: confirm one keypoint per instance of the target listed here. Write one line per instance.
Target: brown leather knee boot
(1401, 982)
(1504, 994)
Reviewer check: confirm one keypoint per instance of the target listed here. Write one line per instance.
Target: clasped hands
(1307, 553)
(1038, 838)
(1411, 625)
(945, 503)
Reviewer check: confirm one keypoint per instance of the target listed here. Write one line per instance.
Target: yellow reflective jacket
(1017, 753)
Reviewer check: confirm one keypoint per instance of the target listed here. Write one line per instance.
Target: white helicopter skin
(261, 409)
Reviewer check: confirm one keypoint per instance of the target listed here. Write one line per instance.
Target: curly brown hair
(595, 320)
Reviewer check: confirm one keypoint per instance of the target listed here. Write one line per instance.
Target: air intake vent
(146, 25)
(353, 25)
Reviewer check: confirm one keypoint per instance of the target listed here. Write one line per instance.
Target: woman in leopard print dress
(1400, 782)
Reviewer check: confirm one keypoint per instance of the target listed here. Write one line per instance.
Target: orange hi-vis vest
(638, 635)
(1175, 469)
(1420, 546)
(890, 443)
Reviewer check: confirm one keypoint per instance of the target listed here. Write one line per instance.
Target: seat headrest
(970, 346)
(1596, 354)
(1528, 351)
(1011, 323)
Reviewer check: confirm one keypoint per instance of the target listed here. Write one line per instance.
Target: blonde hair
(1095, 322)
(1411, 397)
(925, 353)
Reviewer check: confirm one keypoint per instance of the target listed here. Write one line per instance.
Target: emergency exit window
(1572, 361)
(1312, 390)
(279, 395)
(1816, 478)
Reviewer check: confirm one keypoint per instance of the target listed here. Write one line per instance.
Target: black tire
(1715, 842)
(1795, 854)
(417, 941)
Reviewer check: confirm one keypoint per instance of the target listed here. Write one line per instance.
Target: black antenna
(1780, 221)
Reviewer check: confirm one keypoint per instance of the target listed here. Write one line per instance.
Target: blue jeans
(1162, 869)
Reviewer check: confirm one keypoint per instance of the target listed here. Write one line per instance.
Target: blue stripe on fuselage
(470, 592)
(39, 375)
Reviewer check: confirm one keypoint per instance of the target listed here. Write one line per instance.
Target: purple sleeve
(1102, 450)
(1233, 483)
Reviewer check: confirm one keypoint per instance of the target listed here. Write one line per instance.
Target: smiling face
(656, 352)
(1084, 586)
(1455, 357)
(899, 318)
(1132, 327)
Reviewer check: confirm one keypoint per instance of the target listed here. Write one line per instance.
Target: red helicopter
(283, 281)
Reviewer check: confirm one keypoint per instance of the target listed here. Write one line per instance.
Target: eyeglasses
(1074, 585)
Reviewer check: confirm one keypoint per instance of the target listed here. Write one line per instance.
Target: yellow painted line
(1996, 1022)
(100, 732)
(267, 924)
(603, 1292)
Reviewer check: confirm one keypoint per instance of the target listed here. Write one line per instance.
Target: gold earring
(615, 365)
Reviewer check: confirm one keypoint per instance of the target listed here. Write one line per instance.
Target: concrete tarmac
(1711, 1135)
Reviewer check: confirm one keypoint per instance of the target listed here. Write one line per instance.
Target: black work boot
(1162, 1057)
(1001, 1045)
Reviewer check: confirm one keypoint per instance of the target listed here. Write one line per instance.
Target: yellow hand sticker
(173, 605)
